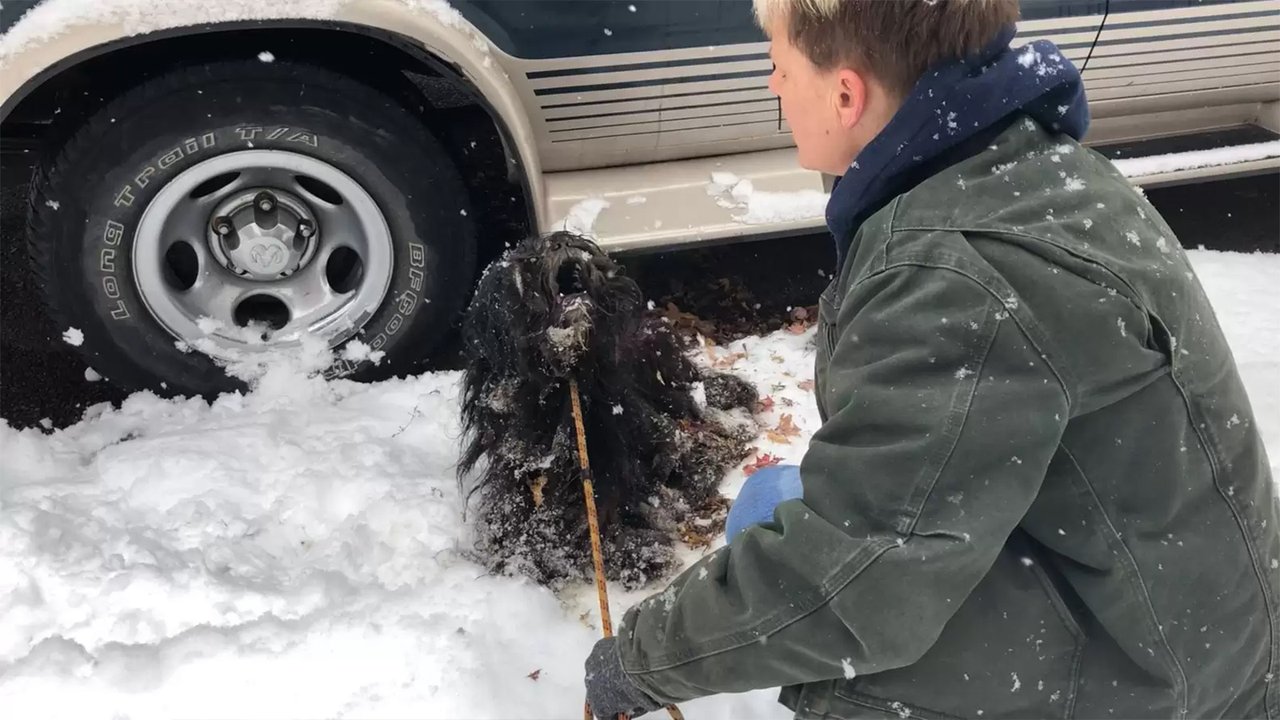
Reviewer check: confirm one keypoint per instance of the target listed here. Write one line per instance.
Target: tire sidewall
(408, 175)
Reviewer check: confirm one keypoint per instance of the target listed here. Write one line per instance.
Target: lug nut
(266, 203)
(306, 229)
(222, 226)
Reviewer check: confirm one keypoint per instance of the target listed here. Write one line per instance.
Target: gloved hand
(762, 492)
(609, 690)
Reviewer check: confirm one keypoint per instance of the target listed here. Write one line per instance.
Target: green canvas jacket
(1038, 491)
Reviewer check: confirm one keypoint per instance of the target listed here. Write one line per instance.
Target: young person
(1038, 490)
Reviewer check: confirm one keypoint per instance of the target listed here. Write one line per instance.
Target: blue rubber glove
(760, 495)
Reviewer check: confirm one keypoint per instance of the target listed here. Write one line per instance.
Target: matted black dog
(554, 307)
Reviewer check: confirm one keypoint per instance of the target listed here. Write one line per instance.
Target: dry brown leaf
(787, 426)
(805, 385)
(766, 404)
(535, 674)
(536, 486)
(785, 430)
(761, 461)
(675, 314)
(727, 361)
(687, 322)
(798, 328)
(705, 522)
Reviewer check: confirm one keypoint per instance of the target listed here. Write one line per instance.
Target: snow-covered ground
(300, 551)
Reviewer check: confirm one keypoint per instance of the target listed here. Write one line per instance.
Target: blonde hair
(894, 40)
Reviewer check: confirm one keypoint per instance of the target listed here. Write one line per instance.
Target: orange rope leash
(593, 524)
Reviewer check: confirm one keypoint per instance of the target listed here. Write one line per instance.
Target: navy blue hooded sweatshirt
(954, 111)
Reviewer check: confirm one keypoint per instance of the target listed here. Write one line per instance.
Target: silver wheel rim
(255, 249)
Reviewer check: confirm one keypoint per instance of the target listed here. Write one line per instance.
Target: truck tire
(218, 211)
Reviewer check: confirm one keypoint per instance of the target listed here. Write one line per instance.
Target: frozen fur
(553, 308)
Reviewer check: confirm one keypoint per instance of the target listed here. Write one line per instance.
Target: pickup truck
(217, 178)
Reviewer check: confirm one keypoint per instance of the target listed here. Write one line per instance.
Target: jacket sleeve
(943, 420)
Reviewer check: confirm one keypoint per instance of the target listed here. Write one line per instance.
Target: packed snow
(763, 207)
(73, 336)
(581, 218)
(301, 550)
(358, 351)
(54, 18)
(1196, 159)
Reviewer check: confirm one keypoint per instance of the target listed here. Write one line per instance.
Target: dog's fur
(557, 307)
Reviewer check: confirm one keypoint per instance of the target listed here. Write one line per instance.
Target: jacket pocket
(1012, 650)
(1056, 601)
(859, 706)
(825, 701)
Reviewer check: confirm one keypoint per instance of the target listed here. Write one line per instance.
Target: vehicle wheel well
(446, 104)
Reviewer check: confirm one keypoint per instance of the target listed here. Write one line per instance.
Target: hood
(950, 108)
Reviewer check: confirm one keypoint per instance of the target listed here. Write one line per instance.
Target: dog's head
(560, 293)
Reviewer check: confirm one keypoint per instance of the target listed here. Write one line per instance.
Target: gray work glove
(609, 691)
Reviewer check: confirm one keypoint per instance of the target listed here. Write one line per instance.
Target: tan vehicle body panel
(579, 139)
